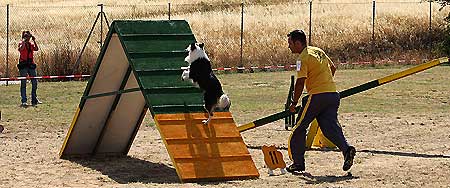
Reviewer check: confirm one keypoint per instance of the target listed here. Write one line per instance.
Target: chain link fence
(235, 34)
(60, 32)
(217, 26)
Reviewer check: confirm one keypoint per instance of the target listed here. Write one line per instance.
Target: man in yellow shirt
(315, 70)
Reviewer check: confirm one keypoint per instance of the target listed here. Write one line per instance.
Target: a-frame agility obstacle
(139, 68)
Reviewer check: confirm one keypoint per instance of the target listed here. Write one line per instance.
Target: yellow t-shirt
(314, 65)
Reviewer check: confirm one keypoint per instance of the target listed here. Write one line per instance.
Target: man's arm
(298, 90)
(332, 67)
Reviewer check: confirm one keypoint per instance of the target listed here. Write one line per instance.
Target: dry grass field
(342, 27)
(401, 132)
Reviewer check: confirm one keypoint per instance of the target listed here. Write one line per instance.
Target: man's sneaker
(24, 104)
(348, 158)
(295, 168)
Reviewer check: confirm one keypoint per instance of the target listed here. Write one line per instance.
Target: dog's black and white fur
(200, 73)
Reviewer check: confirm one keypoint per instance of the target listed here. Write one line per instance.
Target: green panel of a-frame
(156, 51)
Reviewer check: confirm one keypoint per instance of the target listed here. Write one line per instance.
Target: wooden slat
(224, 158)
(208, 150)
(212, 169)
(138, 27)
(199, 130)
(217, 115)
(158, 63)
(158, 45)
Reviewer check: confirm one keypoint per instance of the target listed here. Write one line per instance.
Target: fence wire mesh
(59, 33)
(136, 12)
(344, 30)
(218, 26)
(265, 30)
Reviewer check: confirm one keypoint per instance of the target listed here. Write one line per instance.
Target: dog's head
(196, 51)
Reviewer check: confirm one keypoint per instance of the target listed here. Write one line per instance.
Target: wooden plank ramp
(205, 152)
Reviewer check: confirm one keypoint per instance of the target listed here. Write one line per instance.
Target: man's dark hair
(298, 35)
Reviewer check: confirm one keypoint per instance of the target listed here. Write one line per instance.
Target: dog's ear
(201, 45)
(193, 46)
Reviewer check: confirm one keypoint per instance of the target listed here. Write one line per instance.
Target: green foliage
(444, 2)
(446, 42)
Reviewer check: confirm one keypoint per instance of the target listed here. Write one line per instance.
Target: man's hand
(33, 38)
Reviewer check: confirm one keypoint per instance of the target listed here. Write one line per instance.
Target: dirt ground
(393, 151)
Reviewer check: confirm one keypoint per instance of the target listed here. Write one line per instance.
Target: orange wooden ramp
(205, 152)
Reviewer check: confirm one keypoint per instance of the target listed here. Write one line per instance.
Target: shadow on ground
(379, 152)
(405, 154)
(310, 179)
(127, 169)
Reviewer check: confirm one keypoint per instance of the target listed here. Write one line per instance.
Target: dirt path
(393, 151)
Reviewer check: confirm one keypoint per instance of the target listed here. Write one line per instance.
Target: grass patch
(255, 95)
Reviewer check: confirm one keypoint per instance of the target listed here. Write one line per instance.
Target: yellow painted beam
(413, 70)
(74, 120)
(245, 127)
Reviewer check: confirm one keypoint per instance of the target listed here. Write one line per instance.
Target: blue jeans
(23, 85)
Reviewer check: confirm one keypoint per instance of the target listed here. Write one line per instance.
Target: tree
(444, 3)
(446, 43)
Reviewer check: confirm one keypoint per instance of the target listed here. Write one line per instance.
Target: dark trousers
(23, 85)
(323, 107)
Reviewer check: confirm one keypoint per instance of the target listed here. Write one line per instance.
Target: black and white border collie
(200, 73)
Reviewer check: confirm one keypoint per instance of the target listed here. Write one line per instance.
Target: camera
(29, 36)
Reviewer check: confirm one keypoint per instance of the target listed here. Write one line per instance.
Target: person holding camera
(27, 67)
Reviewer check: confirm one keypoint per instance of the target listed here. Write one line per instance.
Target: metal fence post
(101, 26)
(429, 29)
(7, 42)
(373, 29)
(310, 21)
(242, 33)
(169, 10)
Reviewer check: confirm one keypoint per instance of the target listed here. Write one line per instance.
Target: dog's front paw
(185, 75)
